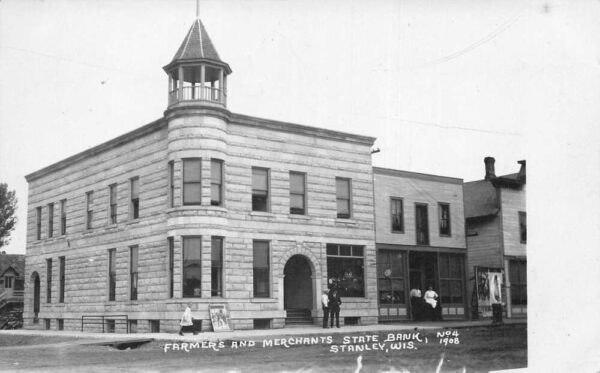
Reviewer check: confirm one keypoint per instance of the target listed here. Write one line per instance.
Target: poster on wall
(489, 289)
(219, 317)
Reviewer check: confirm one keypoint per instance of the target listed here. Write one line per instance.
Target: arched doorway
(35, 278)
(298, 290)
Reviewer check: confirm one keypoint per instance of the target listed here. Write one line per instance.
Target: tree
(8, 220)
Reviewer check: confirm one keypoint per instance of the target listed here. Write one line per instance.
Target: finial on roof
(197, 8)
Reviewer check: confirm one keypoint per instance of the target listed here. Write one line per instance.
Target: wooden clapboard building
(420, 239)
(496, 222)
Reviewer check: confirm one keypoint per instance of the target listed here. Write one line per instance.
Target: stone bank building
(203, 206)
(208, 207)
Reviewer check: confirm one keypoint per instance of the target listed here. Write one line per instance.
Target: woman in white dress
(431, 298)
(186, 319)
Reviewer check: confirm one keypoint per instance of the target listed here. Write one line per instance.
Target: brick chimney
(490, 171)
(523, 171)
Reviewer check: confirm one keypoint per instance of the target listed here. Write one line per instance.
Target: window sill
(263, 300)
(263, 214)
(299, 217)
(133, 221)
(343, 221)
(397, 232)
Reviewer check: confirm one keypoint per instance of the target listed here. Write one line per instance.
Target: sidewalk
(262, 334)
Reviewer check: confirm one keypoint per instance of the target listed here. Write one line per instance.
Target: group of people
(426, 308)
(331, 301)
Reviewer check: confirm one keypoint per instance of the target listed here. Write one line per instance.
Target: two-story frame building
(203, 206)
(496, 222)
(420, 240)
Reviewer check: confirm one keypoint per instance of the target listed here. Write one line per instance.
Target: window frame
(401, 200)
(523, 227)
(49, 280)
(171, 178)
(381, 277)
(112, 275)
(112, 204)
(38, 223)
(61, 279)
(441, 206)
(360, 254)
(183, 269)
(89, 209)
(134, 272)
(185, 183)
(521, 282)
(219, 184)
(63, 217)
(418, 220)
(134, 199)
(171, 266)
(304, 209)
(452, 279)
(218, 290)
(255, 268)
(51, 220)
(267, 191)
(348, 200)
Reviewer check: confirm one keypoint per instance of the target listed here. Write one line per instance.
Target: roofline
(148, 128)
(194, 61)
(10, 267)
(417, 175)
(274, 125)
(234, 118)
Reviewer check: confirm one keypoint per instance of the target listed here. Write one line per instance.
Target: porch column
(180, 88)
(202, 79)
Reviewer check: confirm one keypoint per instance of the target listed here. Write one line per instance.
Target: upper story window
(260, 189)
(112, 195)
(397, 212)
(192, 183)
(422, 224)
(63, 217)
(38, 223)
(444, 219)
(216, 182)
(297, 193)
(134, 207)
(523, 226)
(89, 207)
(50, 219)
(171, 184)
(343, 189)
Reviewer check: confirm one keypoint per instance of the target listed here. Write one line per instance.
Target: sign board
(488, 285)
(219, 317)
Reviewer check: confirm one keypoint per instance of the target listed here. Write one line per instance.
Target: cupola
(197, 75)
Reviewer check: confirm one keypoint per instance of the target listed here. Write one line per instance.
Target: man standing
(334, 305)
(325, 304)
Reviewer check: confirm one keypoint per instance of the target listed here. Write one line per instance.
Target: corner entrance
(298, 290)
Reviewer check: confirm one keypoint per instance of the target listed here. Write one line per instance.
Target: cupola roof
(197, 47)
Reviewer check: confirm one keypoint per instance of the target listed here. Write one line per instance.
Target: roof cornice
(274, 125)
(417, 175)
(110, 144)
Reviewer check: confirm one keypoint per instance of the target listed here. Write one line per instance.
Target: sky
(440, 84)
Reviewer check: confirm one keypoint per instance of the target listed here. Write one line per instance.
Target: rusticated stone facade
(195, 132)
